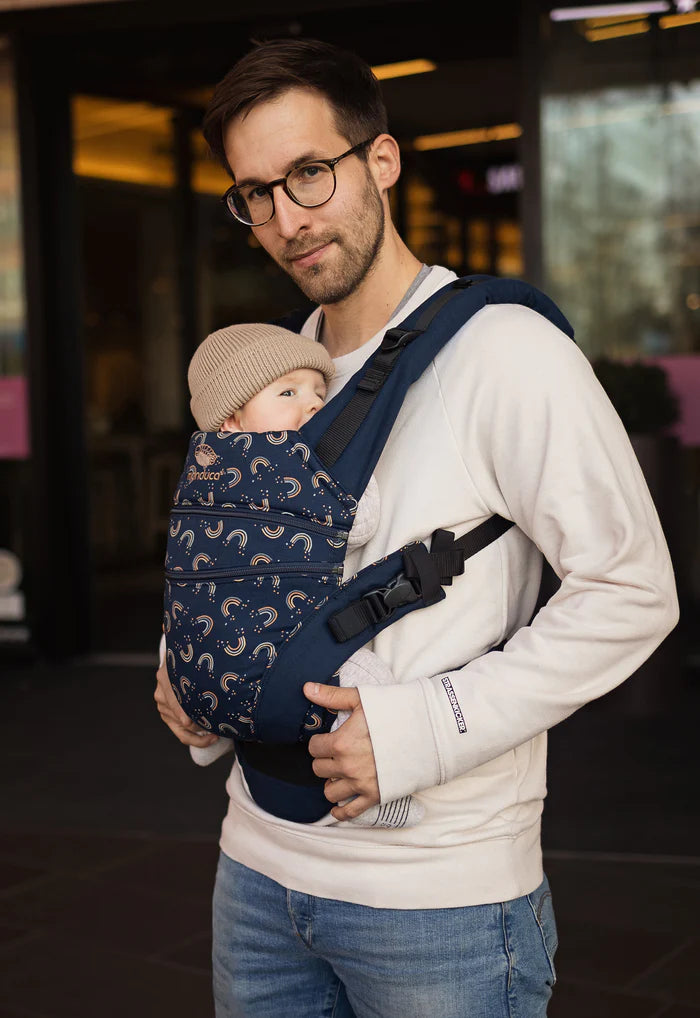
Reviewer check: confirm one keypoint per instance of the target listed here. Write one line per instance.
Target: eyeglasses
(309, 185)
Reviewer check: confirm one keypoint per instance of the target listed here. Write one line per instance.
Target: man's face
(329, 250)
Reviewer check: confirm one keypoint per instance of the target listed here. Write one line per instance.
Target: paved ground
(108, 848)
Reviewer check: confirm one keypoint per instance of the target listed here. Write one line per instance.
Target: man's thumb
(336, 697)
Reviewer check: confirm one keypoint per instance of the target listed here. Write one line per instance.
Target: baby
(257, 378)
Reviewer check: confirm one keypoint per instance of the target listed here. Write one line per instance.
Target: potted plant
(648, 408)
(640, 393)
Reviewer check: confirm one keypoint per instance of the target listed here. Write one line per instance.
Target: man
(452, 917)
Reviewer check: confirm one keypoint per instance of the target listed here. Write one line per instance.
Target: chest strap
(424, 574)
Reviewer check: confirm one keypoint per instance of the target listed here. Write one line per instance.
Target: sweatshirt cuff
(403, 741)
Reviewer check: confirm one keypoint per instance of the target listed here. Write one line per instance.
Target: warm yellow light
(133, 143)
(128, 171)
(209, 178)
(677, 20)
(403, 68)
(615, 31)
(94, 117)
(473, 136)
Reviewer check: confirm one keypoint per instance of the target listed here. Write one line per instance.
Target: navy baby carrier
(255, 605)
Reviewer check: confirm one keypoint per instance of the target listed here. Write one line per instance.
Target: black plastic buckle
(376, 605)
(401, 592)
(394, 339)
(385, 600)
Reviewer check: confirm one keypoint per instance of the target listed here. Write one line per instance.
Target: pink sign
(683, 372)
(14, 419)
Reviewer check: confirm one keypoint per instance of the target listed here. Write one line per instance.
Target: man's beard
(329, 285)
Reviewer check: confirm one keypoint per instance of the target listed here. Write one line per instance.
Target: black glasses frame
(282, 182)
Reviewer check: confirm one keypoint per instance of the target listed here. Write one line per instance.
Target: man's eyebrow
(305, 157)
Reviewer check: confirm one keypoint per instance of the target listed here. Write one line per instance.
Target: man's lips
(310, 257)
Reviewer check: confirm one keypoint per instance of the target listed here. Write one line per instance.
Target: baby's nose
(312, 408)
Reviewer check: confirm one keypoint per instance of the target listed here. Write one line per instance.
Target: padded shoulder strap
(349, 434)
(293, 320)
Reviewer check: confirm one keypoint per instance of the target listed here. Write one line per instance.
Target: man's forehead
(276, 134)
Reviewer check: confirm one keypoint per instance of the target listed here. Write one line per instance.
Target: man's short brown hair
(274, 67)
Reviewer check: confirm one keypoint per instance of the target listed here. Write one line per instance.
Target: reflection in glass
(621, 216)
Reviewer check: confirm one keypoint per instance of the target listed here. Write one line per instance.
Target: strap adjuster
(402, 591)
(372, 380)
(394, 339)
(373, 608)
(385, 600)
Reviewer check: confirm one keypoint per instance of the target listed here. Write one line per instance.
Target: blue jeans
(284, 954)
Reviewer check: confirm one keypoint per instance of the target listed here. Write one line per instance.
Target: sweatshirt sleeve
(546, 449)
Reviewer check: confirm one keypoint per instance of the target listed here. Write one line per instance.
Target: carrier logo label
(203, 475)
(454, 704)
(205, 455)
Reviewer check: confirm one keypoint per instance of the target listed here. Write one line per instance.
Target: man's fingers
(166, 700)
(334, 697)
(188, 738)
(338, 790)
(321, 745)
(353, 808)
(327, 767)
(172, 711)
(183, 728)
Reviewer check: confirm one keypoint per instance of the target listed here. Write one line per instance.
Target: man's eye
(310, 171)
(256, 192)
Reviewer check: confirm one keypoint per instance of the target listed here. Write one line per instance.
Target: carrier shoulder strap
(349, 433)
(293, 320)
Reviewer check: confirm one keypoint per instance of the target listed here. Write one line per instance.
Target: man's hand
(345, 757)
(187, 731)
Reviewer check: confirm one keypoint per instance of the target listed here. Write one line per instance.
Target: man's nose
(289, 217)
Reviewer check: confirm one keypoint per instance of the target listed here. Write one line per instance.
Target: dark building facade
(527, 146)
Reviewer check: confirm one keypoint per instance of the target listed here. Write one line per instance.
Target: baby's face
(284, 405)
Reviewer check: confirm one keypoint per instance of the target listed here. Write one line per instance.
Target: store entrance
(161, 268)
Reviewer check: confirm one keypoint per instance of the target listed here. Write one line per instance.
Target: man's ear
(231, 423)
(385, 162)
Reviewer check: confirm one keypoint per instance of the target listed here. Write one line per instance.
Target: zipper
(262, 516)
(265, 568)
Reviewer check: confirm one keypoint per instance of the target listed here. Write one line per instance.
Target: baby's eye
(287, 392)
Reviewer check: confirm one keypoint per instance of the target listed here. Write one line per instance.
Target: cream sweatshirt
(508, 419)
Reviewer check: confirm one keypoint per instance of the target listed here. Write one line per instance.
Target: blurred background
(557, 144)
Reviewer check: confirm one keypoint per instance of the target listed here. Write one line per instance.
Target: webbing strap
(483, 535)
(450, 554)
(425, 573)
(346, 425)
(333, 443)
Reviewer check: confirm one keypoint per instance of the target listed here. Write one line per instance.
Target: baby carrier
(254, 600)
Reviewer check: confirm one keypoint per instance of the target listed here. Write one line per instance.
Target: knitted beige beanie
(234, 364)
